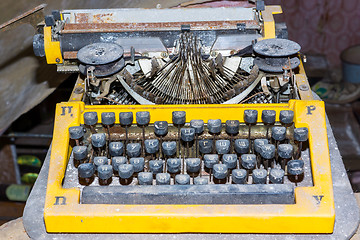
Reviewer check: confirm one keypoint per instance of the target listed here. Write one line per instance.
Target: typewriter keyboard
(185, 152)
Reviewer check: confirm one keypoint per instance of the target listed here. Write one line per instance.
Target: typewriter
(184, 121)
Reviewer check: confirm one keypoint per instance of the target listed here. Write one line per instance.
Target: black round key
(268, 116)
(86, 170)
(230, 160)
(173, 165)
(222, 146)
(105, 172)
(295, 167)
(198, 125)
(259, 176)
(241, 146)
(126, 118)
(193, 165)
(182, 179)
(268, 151)
(179, 117)
(286, 116)
(117, 161)
(187, 134)
(258, 143)
(250, 116)
(126, 170)
(162, 179)
(133, 149)
(214, 126)
(301, 134)
(276, 175)
(238, 176)
(151, 146)
(210, 160)
(169, 148)
(98, 161)
(116, 148)
(205, 146)
(201, 181)
(108, 118)
(248, 161)
(145, 178)
(76, 132)
(220, 171)
(138, 163)
(143, 118)
(278, 133)
(232, 127)
(90, 118)
(161, 128)
(80, 152)
(98, 140)
(156, 166)
(285, 151)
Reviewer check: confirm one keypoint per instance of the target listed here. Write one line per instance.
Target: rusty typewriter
(184, 120)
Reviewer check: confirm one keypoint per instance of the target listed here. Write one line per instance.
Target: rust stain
(70, 55)
(132, 27)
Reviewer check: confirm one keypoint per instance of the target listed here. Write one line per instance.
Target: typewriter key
(116, 149)
(105, 173)
(151, 146)
(220, 173)
(169, 148)
(145, 178)
(250, 118)
(230, 160)
(278, 133)
(285, 151)
(201, 181)
(295, 168)
(276, 175)
(76, 133)
(286, 117)
(239, 176)
(86, 170)
(156, 166)
(80, 152)
(99, 161)
(91, 119)
(108, 119)
(198, 125)
(187, 134)
(138, 163)
(126, 119)
(173, 165)
(214, 126)
(267, 153)
(232, 127)
(133, 149)
(300, 136)
(193, 165)
(143, 118)
(268, 118)
(258, 143)
(259, 176)
(182, 179)
(205, 146)
(162, 179)
(210, 160)
(117, 161)
(178, 117)
(222, 146)
(248, 161)
(126, 171)
(98, 140)
(242, 146)
(161, 128)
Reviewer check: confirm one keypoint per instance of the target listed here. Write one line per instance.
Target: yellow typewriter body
(144, 75)
(312, 212)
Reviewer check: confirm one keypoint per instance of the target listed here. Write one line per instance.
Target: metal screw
(303, 87)
(78, 90)
(164, 54)
(57, 60)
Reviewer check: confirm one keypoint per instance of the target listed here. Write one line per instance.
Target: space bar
(190, 194)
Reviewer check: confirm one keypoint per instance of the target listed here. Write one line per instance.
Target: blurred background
(30, 89)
